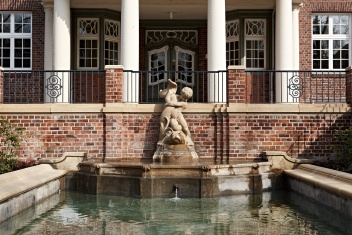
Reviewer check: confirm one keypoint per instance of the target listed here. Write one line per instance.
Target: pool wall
(24, 188)
(329, 187)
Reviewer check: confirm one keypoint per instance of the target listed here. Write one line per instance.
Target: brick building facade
(232, 127)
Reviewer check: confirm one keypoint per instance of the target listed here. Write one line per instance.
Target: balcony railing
(151, 82)
(296, 86)
(50, 86)
(89, 86)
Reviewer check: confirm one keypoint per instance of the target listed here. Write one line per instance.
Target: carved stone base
(175, 153)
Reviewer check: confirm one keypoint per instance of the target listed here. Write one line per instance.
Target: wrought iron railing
(296, 86)
(54, 86)
(89, 86)
(151, 82)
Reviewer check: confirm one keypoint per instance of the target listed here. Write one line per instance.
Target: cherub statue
(173, 126)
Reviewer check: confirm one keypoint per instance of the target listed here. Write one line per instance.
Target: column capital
(47, 3)
(297, 6)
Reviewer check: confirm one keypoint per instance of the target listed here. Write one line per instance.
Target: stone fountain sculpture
(174, 144)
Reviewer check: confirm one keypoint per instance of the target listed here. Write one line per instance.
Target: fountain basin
(201, 179)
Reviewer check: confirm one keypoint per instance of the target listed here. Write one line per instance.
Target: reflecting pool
(279, 212)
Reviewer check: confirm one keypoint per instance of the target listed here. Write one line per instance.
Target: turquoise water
(279, 212)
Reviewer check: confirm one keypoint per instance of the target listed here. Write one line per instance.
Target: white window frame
(261, 37)
(192, 53)
(331, 37)
(164, 49)
(87, 37)
(113, 39)
(233, 39)
(12, 36)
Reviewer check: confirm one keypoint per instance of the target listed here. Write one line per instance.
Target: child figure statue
(173, 126)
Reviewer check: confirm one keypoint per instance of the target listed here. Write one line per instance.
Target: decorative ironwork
(54, 86)
(295, 86)
(187, 36)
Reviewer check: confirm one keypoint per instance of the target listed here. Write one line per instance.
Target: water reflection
(267, 213)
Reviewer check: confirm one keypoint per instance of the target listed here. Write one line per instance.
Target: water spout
(175, 189)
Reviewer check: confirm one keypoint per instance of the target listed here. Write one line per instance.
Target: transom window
(331, 36)
(16, 40)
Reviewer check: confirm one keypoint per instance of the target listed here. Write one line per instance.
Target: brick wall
(349, 86)
(51, 135)
(216, 135)
(113, 85)
(1, 86)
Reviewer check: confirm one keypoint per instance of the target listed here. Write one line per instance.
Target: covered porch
(192, 42)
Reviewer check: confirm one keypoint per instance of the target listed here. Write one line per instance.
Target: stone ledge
(336, 182)
(280, 160)
(22, 189)
(69, 161)
(191, 108)
(289, 108)
(17, 182)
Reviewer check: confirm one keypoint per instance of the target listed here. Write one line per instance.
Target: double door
(169, 61)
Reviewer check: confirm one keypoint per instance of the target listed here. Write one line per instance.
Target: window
(331, 41)
(111, 47)
(16, 40)
(157, 64)
(255, 43)
(185, 63)
(88, 41)
(89, 38)
(232, 43)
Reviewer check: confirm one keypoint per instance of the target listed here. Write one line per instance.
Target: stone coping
(280, 160)
(157, 108)
(15, 183)
(336, 182)
(69, 161)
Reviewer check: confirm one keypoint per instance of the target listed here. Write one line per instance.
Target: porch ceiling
(182, 9)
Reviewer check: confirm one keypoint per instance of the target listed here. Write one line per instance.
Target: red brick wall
(38, 21)
(202, 49)
(305, 30)
(51, 135)
(238, 86)
(113, 86)
(88, 87)
(216, 135)
(1, 86)
(349, 86)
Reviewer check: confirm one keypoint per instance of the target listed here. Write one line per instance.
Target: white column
(48, 43)
(48, 46)
(62, 45)
(295, 35)
(216, 51)
(130, 49)
(283, 49)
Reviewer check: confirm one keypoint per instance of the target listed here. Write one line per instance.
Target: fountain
(175, 144)
(175, 162)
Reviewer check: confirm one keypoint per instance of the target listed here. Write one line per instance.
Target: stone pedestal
(175, 153)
